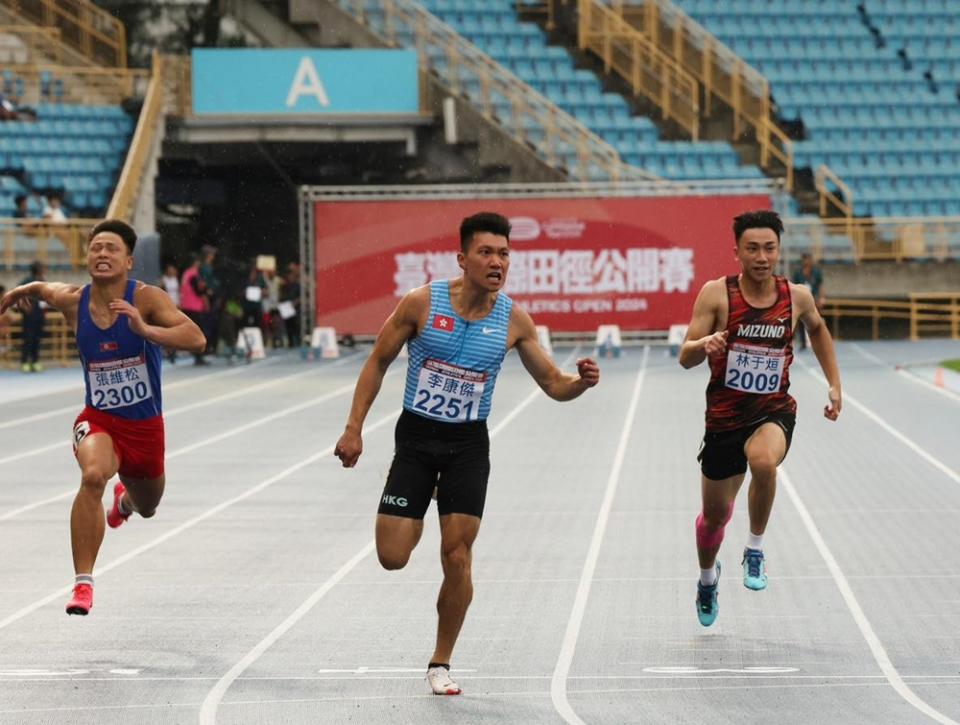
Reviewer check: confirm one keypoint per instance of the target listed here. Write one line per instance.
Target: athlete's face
(486, 261)
(107, 256)
(758, 251)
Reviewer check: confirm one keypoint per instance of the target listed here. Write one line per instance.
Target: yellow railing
(131, 177)
(839, 197)
(95, 33)
(650, 72)
(23, 241)
(491, 88)
(37, 45)
(58, 346)
(542, 7)
(84, 85)
(879, 238)
(934, 319)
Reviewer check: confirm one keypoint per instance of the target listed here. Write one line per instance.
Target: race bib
(448, 392)
(119, 383)
(754, 369)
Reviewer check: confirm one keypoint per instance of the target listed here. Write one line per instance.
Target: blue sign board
(308, 81)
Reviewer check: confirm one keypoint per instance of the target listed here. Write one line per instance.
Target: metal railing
(924, 318)
(82, 85)
(838, 197)
(651, 72)
(63, 244)
(83, 26)
(141, 146)
(31, 45)
(58, 346)
(500, 96)
(879, 238)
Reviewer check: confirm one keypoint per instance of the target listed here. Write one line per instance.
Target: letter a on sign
(307, 83)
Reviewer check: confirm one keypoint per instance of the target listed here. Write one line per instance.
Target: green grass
(952, 364)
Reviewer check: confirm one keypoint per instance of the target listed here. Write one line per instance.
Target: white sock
(708, 577)
(755, 542)
(123, 509)
(84, 579)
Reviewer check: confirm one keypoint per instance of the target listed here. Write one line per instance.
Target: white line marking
(876, 646)
(166, 387)
(558, 684)
(869, 355)
(932, 460)
(64, 442)
(209, 512)
(208, 712)
(912, 377)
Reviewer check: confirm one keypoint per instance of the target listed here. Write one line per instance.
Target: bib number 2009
(751, 382)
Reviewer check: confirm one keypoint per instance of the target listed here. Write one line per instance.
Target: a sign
(575, 263)
(250, 340)
(304, 81)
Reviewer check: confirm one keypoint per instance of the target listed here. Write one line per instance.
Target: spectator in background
(208, 255)
(254, 293)
(32, 326)
(22, 211)
(53, 211)
(272, 322)
(194, 302)
(229, 327)
(6, 318)
(170, 284)
(809, 275)
(290, 304)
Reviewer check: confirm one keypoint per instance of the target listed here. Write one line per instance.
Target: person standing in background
(193, 302)
(33, 318)
(170, 283)
(809, 275)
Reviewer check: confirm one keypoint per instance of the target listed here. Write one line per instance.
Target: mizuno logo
(394, 500)
(761, 331)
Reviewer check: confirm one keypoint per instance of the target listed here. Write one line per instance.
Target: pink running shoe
(114, 517)
(82, 601)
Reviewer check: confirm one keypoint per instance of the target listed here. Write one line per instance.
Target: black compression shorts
(722, 454)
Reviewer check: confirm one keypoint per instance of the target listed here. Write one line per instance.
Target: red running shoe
(82, 601)
(114, 517)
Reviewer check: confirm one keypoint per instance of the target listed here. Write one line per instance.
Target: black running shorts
(721, 453)
(454, 458)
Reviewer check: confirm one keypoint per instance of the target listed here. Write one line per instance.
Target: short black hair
(120, 228)
(485, 221)
(761, 219)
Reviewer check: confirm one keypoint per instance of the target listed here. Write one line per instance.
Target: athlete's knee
(455, 559)
(94, 479)
(393, 560)
(763, 465)
(711, 524)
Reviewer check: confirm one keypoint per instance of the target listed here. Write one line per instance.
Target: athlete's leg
(457, 534)
(718, 497)
(397, 536)
(98, 463)
(143, 494)
(764, 450)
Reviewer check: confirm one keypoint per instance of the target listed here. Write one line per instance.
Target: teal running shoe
(754, 570)
(707, 606)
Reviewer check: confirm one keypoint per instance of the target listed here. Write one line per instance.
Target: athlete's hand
(349, 448)
(137, 325)
(589, 371)
(832, 411)
(716, 344)
(16, 297)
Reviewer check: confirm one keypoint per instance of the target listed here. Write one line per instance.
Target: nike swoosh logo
(487, 330)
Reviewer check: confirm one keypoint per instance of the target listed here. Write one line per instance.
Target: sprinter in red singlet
(743, 324)
(121, 325)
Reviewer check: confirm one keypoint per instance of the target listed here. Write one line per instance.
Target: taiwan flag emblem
(442, 322)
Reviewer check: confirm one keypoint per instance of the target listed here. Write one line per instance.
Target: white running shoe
(440, 682)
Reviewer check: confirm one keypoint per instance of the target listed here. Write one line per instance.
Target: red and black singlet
(751, 380)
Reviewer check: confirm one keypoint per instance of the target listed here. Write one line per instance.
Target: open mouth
(496, 276)
(103, 267)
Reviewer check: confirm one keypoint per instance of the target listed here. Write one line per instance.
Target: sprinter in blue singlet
(458, 333)
(120, 325)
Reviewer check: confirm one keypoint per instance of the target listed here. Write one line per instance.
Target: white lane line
(65, 441)
(208, 711)
(558, 683)
(876, 646)
(21, 613)
(166, 386)
(929, 458)
(860, 350)
(912, 377)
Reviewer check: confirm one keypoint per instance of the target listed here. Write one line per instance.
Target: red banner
(575, 263)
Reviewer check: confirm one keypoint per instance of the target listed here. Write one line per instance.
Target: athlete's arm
(702, 338)
(402, 324)
(554, 382)
(61, 296)
(822, 344)
(154, 317)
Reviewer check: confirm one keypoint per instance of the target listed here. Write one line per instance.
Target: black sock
(444, 665)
